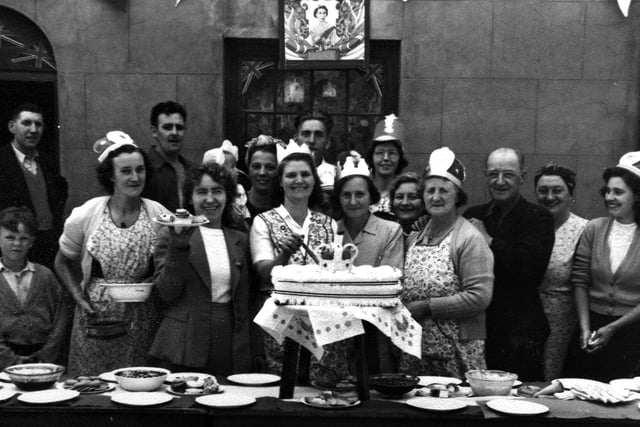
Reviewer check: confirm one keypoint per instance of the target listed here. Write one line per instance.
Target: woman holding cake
(448, 277)
(202, 274)
(284, 235)
(605, 278)
(110, 239)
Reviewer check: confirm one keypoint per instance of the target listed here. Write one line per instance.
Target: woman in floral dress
(277, 235)
(554, 187)
(110, 239)
(448, 277)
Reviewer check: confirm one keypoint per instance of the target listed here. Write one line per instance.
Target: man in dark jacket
(521, 236)
(31, 180)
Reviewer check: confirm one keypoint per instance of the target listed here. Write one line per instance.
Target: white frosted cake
(364, 286)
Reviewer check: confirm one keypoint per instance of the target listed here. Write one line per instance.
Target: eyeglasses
(392, 154)
(507, 175)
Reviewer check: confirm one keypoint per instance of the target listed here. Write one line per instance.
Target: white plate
(226, 400)
(437, 404)
(315, 405)
(4, 377)
(108, 376)
(48, 396)
(141, 398)
(426, 380)
(187, 225)
(6, 394)
(626, 383)
(517, 407)
(254, 379)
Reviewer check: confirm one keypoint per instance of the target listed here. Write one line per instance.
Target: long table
(98, 410)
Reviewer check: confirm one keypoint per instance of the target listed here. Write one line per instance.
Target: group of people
(513, 285)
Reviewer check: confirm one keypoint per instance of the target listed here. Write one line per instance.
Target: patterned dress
(556, 294)
(429, 273)
(320, 231)
(123, 255)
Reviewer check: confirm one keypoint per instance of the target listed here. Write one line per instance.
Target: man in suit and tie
(28, 179)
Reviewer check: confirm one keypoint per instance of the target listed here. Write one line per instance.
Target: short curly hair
(631, 180)
(317, 196)
(319, 115)
(219, 174)
(105, 169)
(402, 161)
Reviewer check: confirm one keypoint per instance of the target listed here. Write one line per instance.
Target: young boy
(32, 312)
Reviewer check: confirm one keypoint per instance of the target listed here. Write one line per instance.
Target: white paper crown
(228, 147)
(291, 148)
(215, 155)
(112, 141)
(630, 162)
(443, 163)
(354, 164)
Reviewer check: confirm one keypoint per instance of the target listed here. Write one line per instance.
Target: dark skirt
(620, 358)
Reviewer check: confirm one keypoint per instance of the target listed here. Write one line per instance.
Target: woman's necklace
(122, 219)
(434, 234)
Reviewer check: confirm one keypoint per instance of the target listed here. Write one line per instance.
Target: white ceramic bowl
(129, 292)
(489, 382)
(140, 378)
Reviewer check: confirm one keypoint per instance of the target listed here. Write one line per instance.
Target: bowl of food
(140, 378)
(489, 382)
(34, 376)
(393, 384)
(128, 292)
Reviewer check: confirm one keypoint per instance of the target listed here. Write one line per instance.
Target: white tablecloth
(313, 326)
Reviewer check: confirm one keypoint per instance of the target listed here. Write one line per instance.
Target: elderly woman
(386, 158)
(277, 236)
(110, 239)
(406, 200)
(262, 164)
(202, 273)
(448, 277)
(554, 187)
(605, 277)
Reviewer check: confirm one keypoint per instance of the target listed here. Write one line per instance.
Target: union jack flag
(38, 53)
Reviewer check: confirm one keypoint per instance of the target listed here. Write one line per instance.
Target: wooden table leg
(362, 373)
(289, 368)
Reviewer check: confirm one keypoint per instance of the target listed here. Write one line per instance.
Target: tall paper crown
(631, 162)
(354, 164)
(111, 141)
(291, 148)
(228, 147)
(389, 129)
(443, 163)
(215, 155)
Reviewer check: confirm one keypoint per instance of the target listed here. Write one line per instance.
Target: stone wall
(554, 78)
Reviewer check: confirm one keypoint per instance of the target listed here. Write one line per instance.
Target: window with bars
(260, 98)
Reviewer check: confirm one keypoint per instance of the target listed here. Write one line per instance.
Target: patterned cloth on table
(430, 273)
(123, 255)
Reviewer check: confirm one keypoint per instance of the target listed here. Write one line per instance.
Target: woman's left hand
(180, 239)
(600, 338)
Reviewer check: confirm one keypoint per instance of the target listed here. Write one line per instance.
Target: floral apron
(430, 273)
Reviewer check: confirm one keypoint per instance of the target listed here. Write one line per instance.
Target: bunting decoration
(252, 69)
(38, 53)
(373, 73)
(624, 7)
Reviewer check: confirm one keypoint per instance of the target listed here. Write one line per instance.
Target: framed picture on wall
(323, 34)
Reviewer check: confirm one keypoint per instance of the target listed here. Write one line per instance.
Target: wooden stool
(290, 368)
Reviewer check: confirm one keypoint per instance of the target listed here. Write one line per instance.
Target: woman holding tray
(448, 277)
(202, 274)
(285, 235)
(110, 239)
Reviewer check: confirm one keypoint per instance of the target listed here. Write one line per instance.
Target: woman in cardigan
(448, 277)
(606, 280)
(110, 239)
(202, 273)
